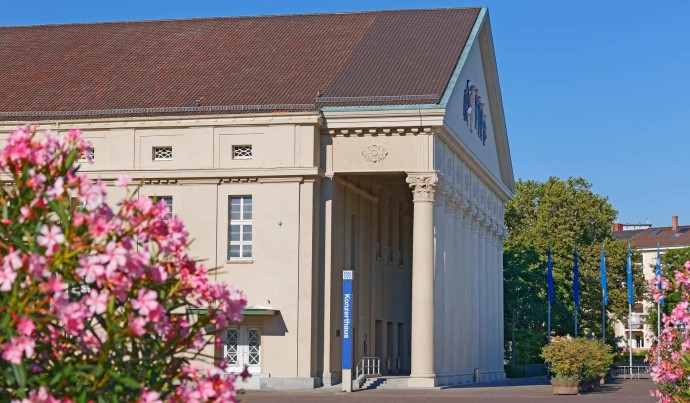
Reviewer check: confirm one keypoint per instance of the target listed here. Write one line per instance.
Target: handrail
(368, 367)
(631, 372)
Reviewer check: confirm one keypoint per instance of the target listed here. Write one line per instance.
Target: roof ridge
(233, 17)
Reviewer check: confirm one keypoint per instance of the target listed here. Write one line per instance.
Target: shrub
(575, 359)
(92, 299)
(669, 358)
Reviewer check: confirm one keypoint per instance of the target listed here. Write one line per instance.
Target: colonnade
(457, 284)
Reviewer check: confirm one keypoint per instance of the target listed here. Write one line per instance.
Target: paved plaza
(511, 391)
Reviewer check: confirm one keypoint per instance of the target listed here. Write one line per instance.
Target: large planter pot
(566, 387)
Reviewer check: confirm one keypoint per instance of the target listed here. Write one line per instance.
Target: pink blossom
(136, 324)
(7, 278)
(57, 189)
(90, 268)
(124, 180)
(12, 260)
(42, 395)
(50, 238)
(145, 301)
(97, 302)
(25, 326)
(149, 396)
(12, 352)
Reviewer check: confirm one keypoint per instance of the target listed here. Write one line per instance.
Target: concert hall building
(296, 147)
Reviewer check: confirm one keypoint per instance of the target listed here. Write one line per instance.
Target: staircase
(385, 382)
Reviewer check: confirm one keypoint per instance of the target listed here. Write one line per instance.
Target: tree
(93, 299)
(671, 260)
(562, 214)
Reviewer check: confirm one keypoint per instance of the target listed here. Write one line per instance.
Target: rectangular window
(240, 227)
(242, 152)
(168, 200)
(86, 155)
(162, 153)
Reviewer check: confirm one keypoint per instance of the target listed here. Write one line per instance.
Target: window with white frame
(240, 227)
(242, 152)
(86, 155)
(162, 153)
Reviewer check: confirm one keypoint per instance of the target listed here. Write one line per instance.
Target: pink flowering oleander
(94, 300)
(668, 357)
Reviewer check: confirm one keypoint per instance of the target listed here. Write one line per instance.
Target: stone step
(385, 383)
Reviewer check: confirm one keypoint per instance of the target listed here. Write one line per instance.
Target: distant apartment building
(646, 238)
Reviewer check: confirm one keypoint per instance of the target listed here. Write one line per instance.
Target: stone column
(501, 236)
(439, 277)
(449, 292)
(460, 340)
(422, 365)
(468, 304)
(474, 278)
(497, 334)
(483, 297)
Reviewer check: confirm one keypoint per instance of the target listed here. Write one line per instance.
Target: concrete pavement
(511, 391)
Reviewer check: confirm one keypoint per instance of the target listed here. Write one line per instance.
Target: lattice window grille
(86, 155)
(254, 347)
(230, 346)
(162, 153)
(242, 152)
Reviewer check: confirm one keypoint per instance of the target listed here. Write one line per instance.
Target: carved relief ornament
(422, 186)
(375, 153)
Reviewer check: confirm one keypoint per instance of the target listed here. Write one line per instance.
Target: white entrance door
(242, 346)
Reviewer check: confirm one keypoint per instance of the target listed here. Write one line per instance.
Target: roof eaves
(377, 107)
(463, 56)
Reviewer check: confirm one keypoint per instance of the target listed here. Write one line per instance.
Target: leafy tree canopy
(562, 214)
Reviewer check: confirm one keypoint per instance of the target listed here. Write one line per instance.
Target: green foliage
(574, 359)
(514, 371)
(563, 214)
(671, 261)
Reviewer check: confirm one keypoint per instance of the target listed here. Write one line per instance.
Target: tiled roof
(230, 64)
(650, 237)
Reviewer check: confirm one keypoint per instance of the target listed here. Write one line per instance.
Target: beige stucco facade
(406, 197)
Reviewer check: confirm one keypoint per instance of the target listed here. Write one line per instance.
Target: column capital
(423, 186)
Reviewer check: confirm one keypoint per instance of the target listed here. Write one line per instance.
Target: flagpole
(630, 325)
(603, 321)
(658, 321)
(548, 329)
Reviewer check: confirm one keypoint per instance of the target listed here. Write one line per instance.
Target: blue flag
(576, 281)
(631, 298)
(658, 270)
(602, 274)
(550, 277)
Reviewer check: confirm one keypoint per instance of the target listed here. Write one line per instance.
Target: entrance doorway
(242, 346)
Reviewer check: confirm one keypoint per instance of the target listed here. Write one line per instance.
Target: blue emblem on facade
(473, 111)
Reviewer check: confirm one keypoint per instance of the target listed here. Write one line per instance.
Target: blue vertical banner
(549, 276)
(628, 266)
(602, 275)
(347, 319)
(658, 271)
(576, 281)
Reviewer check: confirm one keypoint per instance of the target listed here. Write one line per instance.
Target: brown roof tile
(662, 236)
(279, 62)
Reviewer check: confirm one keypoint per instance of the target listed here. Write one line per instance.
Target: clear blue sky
(597, 89)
